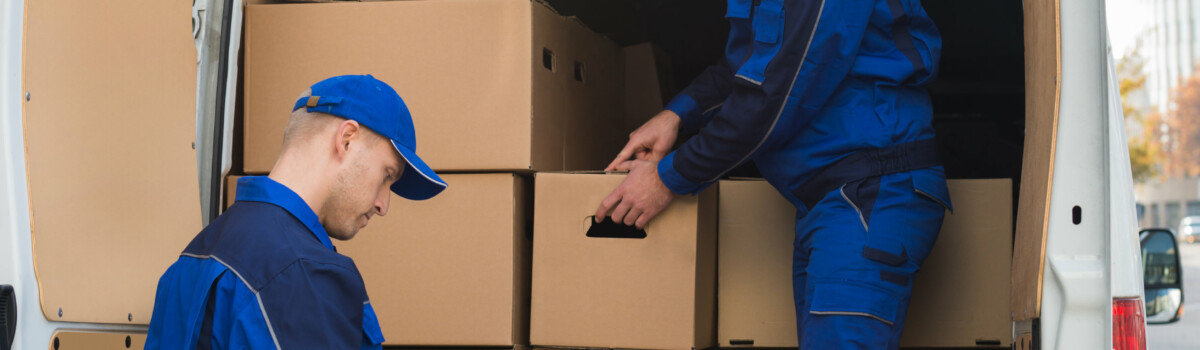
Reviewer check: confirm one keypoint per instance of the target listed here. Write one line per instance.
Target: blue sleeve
(802, 50)
(179, 303)
(373, 339)
(710, 88)
(248, 329)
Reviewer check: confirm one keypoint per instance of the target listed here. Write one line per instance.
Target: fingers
(644, 219)
(625, 154)
(625, 166)
(618, 213)
(643, 155)
(648, 215)
(632, 216)
(657, 154)
(606, 205)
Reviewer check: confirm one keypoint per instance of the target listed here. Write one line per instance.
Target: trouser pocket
(861, 195)
(845, 298)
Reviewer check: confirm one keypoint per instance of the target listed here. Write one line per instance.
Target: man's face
(363, 188)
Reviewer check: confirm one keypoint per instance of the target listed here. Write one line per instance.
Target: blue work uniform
(263, 275)
(827, 98)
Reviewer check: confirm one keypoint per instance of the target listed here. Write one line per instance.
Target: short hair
(302, 125)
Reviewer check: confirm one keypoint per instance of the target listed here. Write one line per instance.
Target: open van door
(99, 162)
(1075, 255)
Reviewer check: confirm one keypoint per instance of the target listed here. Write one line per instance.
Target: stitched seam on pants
(850, 313)
(860, 214)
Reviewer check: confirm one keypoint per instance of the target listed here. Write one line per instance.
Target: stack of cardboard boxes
(499, 90)
(512, 104)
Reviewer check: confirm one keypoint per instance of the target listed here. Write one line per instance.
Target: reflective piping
(710, 109)
(366, 302)
(859, 211)
(257, 297)
(197, 256)
(755, 82)
(784, 104)
(850, 313)
(268, 320)
(410, 164)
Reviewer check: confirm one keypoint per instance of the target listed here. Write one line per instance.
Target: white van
(108, 108)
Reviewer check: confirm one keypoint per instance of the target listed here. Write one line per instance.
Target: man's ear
(347, 131)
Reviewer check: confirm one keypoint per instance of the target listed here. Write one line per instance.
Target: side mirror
(1163, 276)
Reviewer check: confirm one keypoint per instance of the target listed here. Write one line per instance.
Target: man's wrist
(671, 117)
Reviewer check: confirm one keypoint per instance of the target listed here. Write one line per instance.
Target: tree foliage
(1145, 156)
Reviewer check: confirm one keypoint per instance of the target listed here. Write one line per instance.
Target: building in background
(1168, 52)
(1165, 202)
(1171, 48)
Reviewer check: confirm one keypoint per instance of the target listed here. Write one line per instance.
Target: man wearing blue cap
(265, 274)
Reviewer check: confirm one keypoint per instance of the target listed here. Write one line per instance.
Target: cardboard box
(452, 270)
(960, 296)
(756, 228)
(651, 293)
(230, 190)
(645, 83)
(493, 85)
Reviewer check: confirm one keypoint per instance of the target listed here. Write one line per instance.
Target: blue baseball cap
(375, 105)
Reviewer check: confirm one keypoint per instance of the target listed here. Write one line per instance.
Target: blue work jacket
(803, 84)
(263, 275)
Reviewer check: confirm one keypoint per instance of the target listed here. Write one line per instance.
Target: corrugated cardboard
(959, 297)
(109, 130)
(756, 228)
(472, 73)
(230, 190)
(452, 270)
(644, 83)
(651, 293)
(961, 294)
(82, 340)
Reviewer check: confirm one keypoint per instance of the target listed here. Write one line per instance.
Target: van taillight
(1129, 324)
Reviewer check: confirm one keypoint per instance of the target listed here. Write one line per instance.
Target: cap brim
(418, 182)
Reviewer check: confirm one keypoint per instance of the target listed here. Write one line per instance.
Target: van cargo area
(979, 115)
(518, 105)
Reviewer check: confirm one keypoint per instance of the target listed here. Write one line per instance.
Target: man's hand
(651, 141)
(639, 198)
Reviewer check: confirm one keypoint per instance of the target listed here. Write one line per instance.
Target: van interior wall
(978, 98)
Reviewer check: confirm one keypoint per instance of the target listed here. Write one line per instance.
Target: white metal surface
(1125, 257)
(16, 246)
(208, 44)
(1089, 263)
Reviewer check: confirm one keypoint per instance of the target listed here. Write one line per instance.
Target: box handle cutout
(610, 229)
(579, 71)
(741, 342)
(548, 59)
